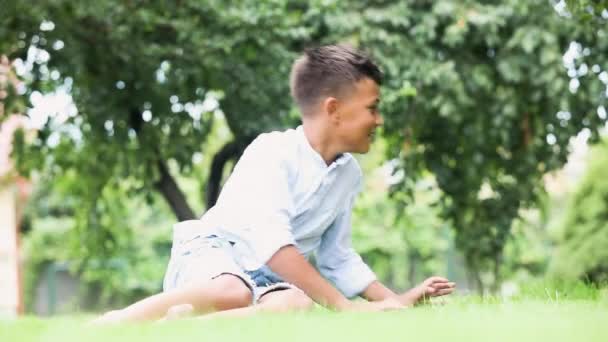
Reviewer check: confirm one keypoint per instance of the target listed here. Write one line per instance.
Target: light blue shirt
(281, 193)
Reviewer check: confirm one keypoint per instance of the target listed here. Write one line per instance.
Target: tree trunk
(166, 185)
(172, 194)
(230, 151)
(474, 277)
(497, 275)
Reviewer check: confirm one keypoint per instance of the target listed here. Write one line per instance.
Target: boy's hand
(388, 304)
(431, 287)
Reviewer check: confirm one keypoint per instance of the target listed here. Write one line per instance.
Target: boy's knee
(300, 301)
(231, 292)
(287, 300)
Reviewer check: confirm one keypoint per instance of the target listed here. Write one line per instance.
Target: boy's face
(358, 116)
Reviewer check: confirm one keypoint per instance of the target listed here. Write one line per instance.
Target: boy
(290, 195)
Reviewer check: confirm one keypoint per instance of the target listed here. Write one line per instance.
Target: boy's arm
(377, 291)
(288, 263)
(431, 287)
(338, 262)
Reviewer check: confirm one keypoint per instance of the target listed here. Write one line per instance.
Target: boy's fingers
(443, 285)
(442, 292)
(437, 279)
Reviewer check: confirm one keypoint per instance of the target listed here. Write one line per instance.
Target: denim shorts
(201, 257)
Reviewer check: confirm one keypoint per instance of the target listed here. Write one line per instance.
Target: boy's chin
(362, 149)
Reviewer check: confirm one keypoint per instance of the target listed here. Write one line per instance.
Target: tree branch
(230, 151)
(172, 194)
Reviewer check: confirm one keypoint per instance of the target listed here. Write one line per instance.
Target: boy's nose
(379, 120)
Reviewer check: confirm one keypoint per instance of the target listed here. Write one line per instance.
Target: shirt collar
(340, 160)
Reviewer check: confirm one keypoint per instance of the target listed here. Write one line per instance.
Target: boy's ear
(330, 106)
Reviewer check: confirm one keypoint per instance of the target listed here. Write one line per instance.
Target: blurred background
(120, 118)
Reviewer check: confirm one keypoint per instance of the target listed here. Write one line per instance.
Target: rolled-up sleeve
(337, 260)
(261, 206)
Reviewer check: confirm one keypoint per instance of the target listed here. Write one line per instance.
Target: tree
(479, 95)
(146, 77)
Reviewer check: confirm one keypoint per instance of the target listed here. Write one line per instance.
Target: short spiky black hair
(327, 71)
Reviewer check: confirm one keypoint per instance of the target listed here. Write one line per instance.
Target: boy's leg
(224, 292)
(289, 300)
(285, 300)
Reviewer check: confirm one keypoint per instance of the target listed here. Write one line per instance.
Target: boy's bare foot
(110, 317)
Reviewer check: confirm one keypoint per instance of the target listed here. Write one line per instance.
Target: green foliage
(581, 251)
(588, 11)
(527, 251)
(10, 102)
(41, 249)
(127, 266)
(146, 81)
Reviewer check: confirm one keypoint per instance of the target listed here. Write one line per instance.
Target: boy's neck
(317, 135)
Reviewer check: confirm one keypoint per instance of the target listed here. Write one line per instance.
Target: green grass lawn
(470, 319)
